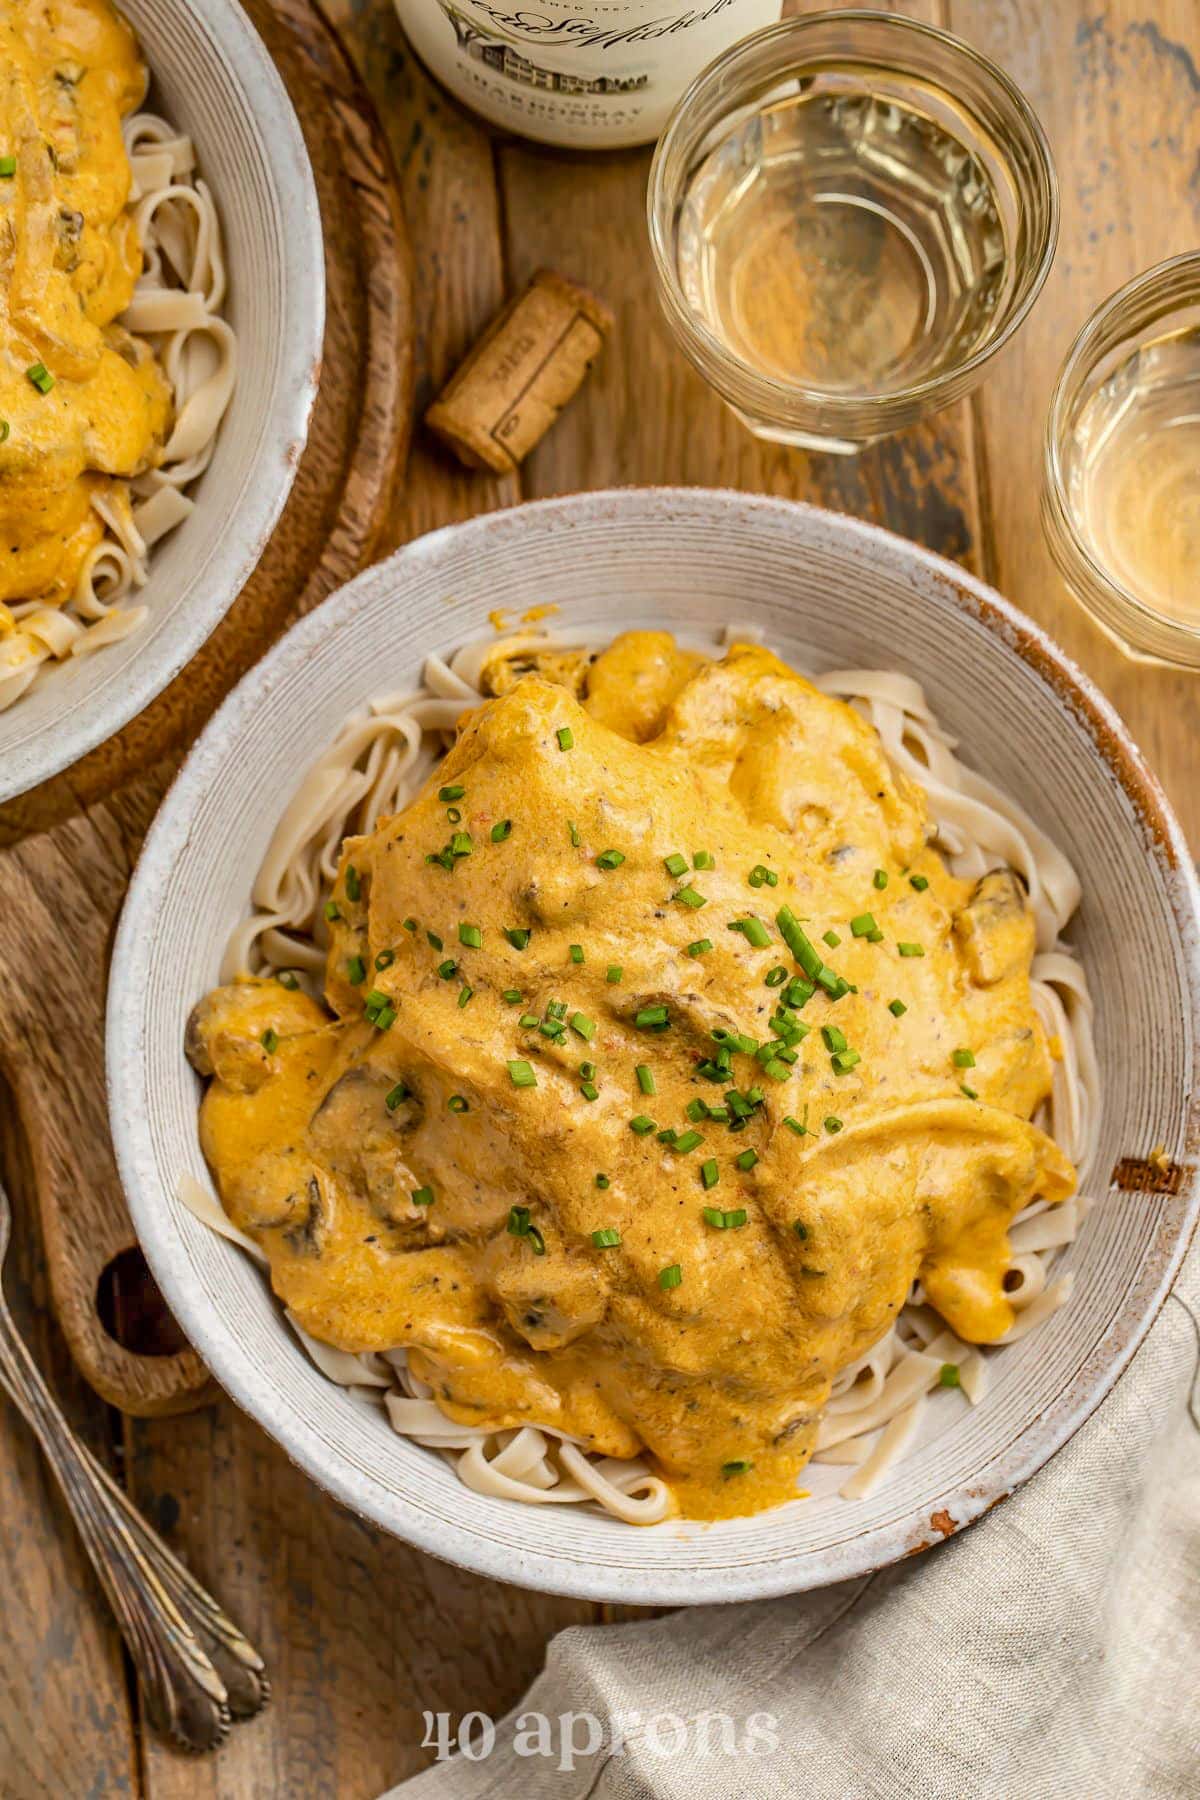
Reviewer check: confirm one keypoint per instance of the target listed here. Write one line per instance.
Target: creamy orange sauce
(69, 258)
(326, 1129)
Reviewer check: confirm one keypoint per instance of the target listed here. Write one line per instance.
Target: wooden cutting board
(67, 848)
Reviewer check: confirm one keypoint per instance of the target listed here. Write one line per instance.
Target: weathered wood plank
(444, 166)
(360, 1633)
(1118, 91)
(65, 1723)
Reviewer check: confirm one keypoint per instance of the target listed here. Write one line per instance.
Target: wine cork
(529, 362)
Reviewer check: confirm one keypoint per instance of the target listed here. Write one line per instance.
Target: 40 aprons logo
(529, 26)
(569, 1738)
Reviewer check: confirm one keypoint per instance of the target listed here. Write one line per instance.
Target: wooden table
(361, 1634)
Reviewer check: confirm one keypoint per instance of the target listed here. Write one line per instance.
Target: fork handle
(196, 1668)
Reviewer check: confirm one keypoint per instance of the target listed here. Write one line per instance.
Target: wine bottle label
(587, 76)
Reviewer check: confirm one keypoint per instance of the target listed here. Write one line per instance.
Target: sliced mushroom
(996, 929)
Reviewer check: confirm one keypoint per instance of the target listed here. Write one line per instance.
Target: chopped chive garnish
(795, 1125)
(798, 993)
(738, 1467)
(701, 947)
(454, 816)
(288, 978)
(651, 1018)
(696, 1110)
(687, 896)
(709, 1172)
(500, 830)
(385, 959)
(777, 1069)
(963, 1059)
(725, 1221)
(553, 1029)
(455, 792)
(458, 1104)
(911, 949)
(863, 925)
(589, 1090)
(845, 1060)
(875, 937)
(607, 1239)
(514, 996)
(897, 1008)
(521, 1074)
(641, 1124)
(670, 1277)
(332, 910)
(471, 936)
(519, 1220)
(573, 834)
(556, 1009)
(687, 1141)
(610, 859)
(777, 976)
(582, 1026)
(834, 1039)
(356, 971)
(920, 882)
(461, 844)
(527, 1021)
(602, 1181)
(831, 938)
(675, 865)
(464, 994)
(703, 859)
(645, 1078)
(270, 1041)
(393, 1099)
(747, 1159)
(575, 951)
(804, 952)
(353, 884)
(409, 924)
(587, 1070)
(879, 880)
(8, 167)
(433, 940)
(948, 1375)
(374, 1000)
(753, 930)
(422, 1196)
(566, 737)
(719, 1115)
(41, 377)
(385, 1018)
(614, 974)
(668, 1136)
(833, 1124)
(518, 939)
(801, 1230)
(968, 1091)
(447, 969)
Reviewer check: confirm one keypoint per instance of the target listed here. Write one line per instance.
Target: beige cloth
(1052, 1652)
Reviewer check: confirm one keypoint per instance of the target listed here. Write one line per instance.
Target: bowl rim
(59, 743)
(547, 1572)
(770, 391)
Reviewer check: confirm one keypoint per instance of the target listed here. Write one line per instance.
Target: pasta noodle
(177, 307)
(876, 1405)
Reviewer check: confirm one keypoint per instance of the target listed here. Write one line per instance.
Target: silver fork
(197, 1670)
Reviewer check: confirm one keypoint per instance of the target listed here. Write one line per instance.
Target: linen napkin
(1051, 1652)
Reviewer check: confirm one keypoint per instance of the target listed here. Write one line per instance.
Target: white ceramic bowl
(211, 75)
(826, 591)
